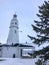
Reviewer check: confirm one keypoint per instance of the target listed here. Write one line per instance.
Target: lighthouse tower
(13, 37)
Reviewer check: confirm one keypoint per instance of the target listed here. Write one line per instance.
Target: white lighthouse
(13, 49)
(13, 37)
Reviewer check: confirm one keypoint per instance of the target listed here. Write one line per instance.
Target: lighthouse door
(13, 55)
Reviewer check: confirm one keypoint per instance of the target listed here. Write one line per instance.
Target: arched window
(15, 23)
(12, 23)
(15, 31)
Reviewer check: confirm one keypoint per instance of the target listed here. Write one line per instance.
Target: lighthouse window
(12, 23)
(15, 31)
(15, 23)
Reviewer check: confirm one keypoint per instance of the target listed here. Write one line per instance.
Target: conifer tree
(41, 27)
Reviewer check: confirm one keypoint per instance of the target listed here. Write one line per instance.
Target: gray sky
(26, 11)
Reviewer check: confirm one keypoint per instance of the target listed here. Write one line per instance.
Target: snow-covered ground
(17, 61)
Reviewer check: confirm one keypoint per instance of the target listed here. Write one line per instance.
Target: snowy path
(17, 61)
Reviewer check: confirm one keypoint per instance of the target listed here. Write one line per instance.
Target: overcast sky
(26, 11)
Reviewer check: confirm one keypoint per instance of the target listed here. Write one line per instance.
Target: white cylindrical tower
(13, 37)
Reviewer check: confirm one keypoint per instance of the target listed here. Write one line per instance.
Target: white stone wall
(9, 51)
(21, 48)
(0, 51)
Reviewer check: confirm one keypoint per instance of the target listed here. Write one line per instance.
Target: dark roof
(21, 45)
(15, 45)
(14, 15)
